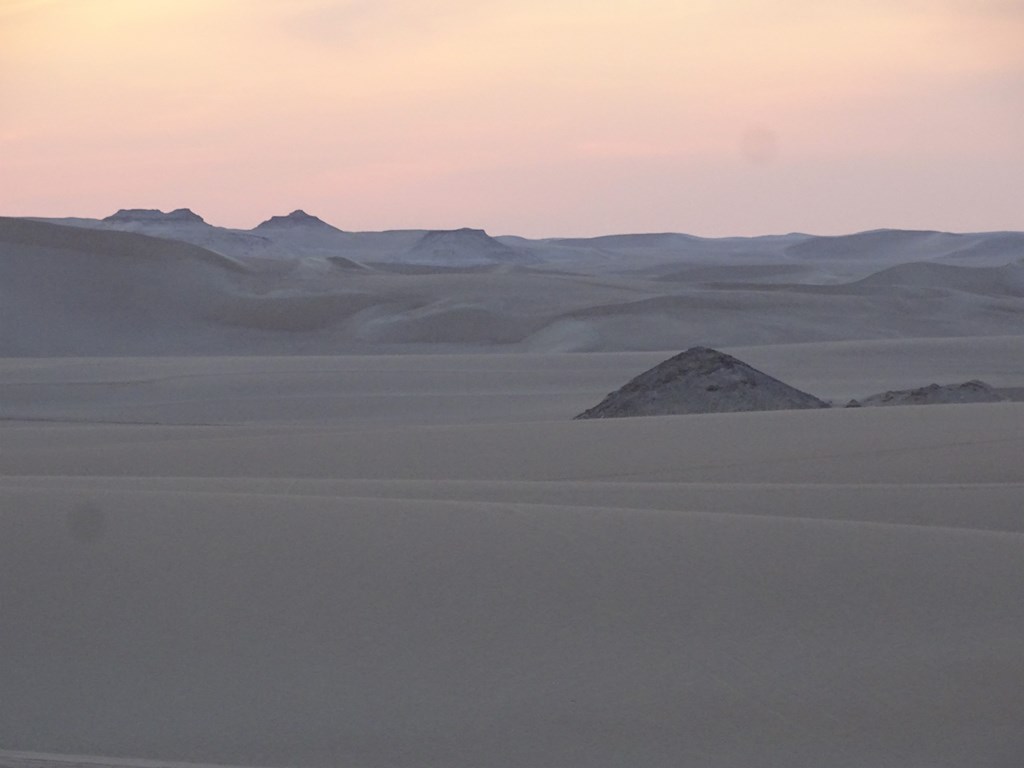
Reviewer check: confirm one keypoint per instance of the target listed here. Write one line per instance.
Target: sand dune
(460, 246)
(243, 522)
(902, 245)
(298, 285)
(1006, 280)
(408, 632)
(502, 585)
(22, 236)
(547, 590)
(993, 506)
(981, 443)
(65, 290)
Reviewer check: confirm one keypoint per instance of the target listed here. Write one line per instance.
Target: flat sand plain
(421, 560)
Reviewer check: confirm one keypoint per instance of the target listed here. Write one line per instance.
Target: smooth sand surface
(303, 497)
(422, 561)
(408, 390)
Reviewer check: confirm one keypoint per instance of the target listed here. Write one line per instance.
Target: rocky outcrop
(701, 380)
(295, 219)
(154, 216)
(935, 394)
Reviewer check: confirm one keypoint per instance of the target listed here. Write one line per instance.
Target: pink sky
(531, 117)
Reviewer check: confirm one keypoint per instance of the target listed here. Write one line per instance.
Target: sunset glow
(571, 117)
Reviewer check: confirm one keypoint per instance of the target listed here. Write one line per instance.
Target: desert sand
(258, 508)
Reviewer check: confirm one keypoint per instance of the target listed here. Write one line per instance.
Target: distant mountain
(154, 216)
(295, 219)
(305, 242)
(301, 235)
(276, 243)
(185, 226)
(701, 380)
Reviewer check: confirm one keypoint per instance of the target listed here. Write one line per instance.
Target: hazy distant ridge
(148, 282)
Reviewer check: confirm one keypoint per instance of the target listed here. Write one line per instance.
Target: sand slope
(313, 289)
(422, 560)
(347, 631)
(244, 522)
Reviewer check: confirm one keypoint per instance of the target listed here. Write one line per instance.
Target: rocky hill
(935, 394)
(701, 380)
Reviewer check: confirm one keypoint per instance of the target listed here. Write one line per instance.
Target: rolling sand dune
(22, 237)
(71, 290)
(269, 550)
(906, 246)
(65, 290)
(1006, 280)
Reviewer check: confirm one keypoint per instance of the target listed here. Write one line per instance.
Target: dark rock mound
(154, 216)
(701, 380)
(938, 394)
(298, 218)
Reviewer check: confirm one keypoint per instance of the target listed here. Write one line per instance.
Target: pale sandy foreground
(422, 561)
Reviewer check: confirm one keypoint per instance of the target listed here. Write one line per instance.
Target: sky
(530, 117)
